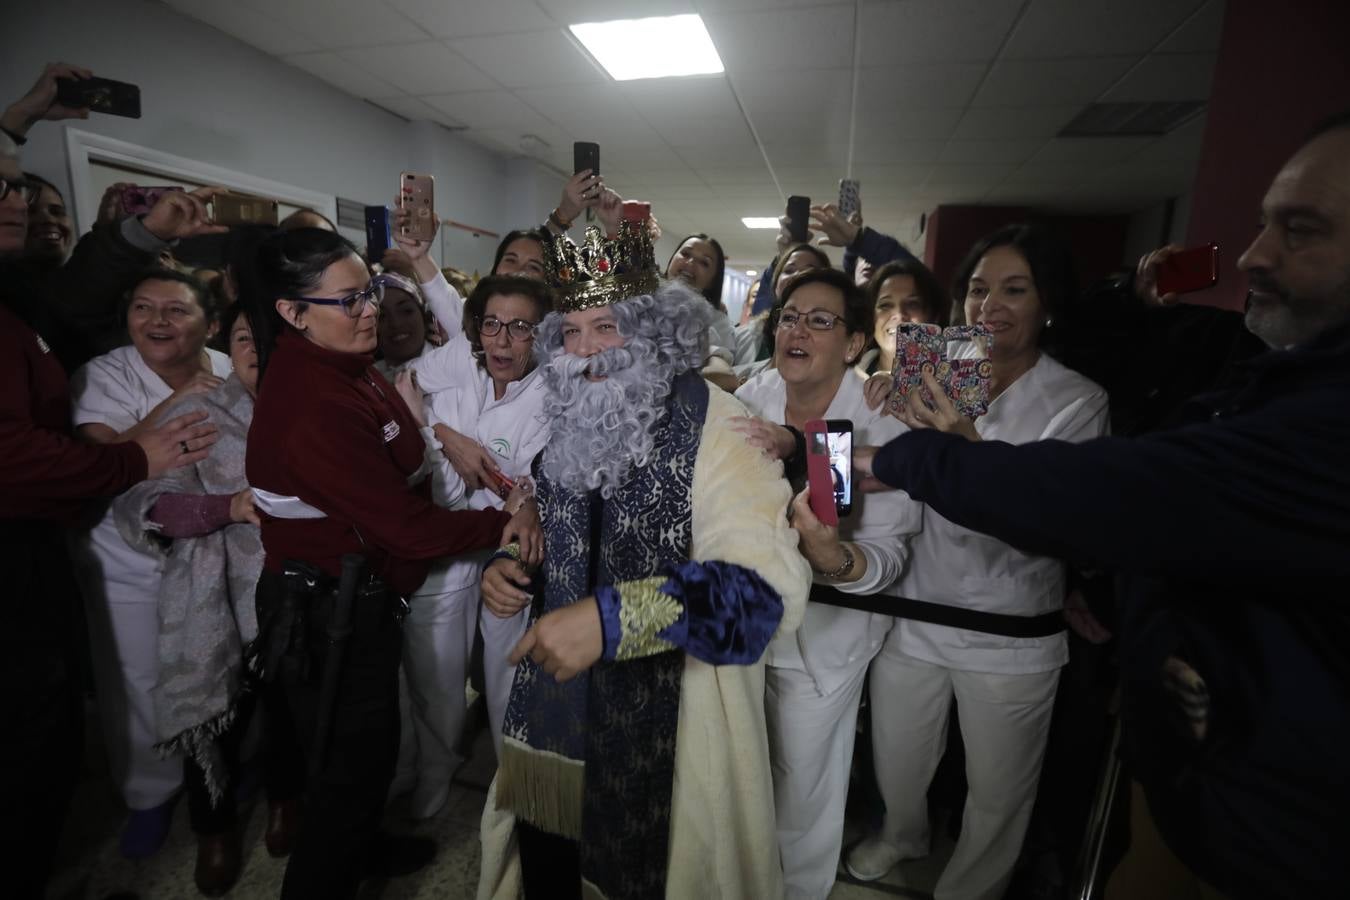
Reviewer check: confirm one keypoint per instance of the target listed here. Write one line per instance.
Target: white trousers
(437, 641)
(500, 636)
(811, 750)
(124, 647)
(1005, 720)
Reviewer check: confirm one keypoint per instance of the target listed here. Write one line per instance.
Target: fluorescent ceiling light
(751, 272)
(660, 47)
(761, 222)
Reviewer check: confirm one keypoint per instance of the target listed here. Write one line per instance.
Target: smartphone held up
(1189, 270)
(416, 193)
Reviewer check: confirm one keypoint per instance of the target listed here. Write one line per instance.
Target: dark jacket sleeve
(764, 298)
(876, 248)
(88, 289)
(1237, 499)
(45, 473)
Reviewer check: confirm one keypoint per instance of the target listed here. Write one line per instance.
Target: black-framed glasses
(355, 303)
(516, 329)
(814, 319)
(28, 190)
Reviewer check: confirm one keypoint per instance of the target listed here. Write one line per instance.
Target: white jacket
(957, 566)
(832, 638)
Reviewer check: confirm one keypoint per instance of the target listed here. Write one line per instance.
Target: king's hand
(565, 642)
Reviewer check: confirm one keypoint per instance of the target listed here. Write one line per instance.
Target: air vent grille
(1132, 119)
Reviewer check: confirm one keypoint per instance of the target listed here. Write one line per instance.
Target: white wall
(214, 99)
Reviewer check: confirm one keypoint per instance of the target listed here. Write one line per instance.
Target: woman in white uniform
(481, 386)
(1004, 685)
(117, 397)
(815, 676)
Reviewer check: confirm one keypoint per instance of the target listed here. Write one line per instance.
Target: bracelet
(510, 551)
(844, 568)
(556, 218)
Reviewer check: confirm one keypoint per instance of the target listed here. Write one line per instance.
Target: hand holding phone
(416, 194)
(820, 479)
(921, 349)
(135, 200)
(101, 95)
(798, 218)
(586, 155)
(1189, 270)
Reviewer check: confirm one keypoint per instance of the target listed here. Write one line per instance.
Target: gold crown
(600, 271)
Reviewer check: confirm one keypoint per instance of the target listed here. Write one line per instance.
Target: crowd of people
(259, 494)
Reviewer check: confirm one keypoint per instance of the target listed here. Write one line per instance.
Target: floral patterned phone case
(923, 348)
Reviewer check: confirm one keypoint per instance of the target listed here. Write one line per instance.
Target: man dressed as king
(636, 760)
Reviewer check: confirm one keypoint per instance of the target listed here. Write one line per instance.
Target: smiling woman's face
(403, 328)
(167, 324)
(1002, 294)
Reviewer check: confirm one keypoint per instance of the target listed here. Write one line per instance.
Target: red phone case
(1193, 269)
(818, 472)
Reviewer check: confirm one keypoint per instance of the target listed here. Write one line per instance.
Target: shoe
(283, 823)
(219, 862)
(146, 830)
(428, 798)
(872, 859)
(391, 856)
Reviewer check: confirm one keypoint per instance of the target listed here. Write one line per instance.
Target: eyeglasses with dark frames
(355, 303)
(28, 190)
(516, 329)
(814, 319)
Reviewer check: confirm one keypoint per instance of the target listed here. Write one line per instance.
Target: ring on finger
(184, 446)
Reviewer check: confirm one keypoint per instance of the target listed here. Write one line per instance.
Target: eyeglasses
(815, 319)
(516, 329)
(355, 303)
(28, 190)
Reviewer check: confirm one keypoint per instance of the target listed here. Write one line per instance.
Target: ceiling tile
(701, 155)
(1094, 149)
(342, 74)
(996, 151)
(572, 12)
(704, 131)
(1056, 28)
(601, 110)
(798, 153)
(443, 19)
(1007, 123)
(897, 151)
(696, 95)
(664, 176)
(1037, 82)
(557, 146)
(428, 67)
(746, 176)
(935, 30)
(783, 105)
(918, 86)
(529, 59)
(334, 24)
(490, 109)
(783, 40)
(876, 179)
(1055, 173)
(1200, 33)
(988, 175)
(910, 124)
(252, 26)
(1170, 76)
(1182, 145)
(410, 108)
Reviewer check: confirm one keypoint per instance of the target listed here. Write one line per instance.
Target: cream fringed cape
(722, 838)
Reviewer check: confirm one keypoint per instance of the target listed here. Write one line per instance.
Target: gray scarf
(206, 606)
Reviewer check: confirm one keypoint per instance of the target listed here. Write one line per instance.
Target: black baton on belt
(339, 631)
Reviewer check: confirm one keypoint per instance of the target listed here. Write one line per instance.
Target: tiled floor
(91, 868)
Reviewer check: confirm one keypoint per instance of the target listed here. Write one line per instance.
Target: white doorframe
(82, 147)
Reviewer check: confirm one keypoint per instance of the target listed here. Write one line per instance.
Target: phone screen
(840, 444)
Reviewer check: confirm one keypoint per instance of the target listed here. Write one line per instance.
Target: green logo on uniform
(501, 447)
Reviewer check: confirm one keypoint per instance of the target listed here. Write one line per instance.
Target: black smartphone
(585, 155)
(379, 232)
(799, 218)
(839, 439)
(100, 95)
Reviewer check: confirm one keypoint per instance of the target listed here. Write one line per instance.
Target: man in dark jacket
(1233, 534)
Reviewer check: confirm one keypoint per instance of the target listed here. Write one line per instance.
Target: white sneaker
(872, 859)
(428, 798)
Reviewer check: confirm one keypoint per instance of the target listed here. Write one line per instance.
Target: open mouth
(160, 337)
(796, 353)
(996, 326)
(501, 362)
(50, 234)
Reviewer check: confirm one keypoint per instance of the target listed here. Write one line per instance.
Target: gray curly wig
(601, 430)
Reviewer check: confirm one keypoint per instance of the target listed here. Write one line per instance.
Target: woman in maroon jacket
(335, 460)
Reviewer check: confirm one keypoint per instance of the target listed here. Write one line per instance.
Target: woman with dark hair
(815, 677)
(336, 462)
(992, 633)
(521, 252)
(758, 350)
(700, 262)
(199, 521)
(51, 231)
(901, 292)
(120, 396)
(481, 387)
